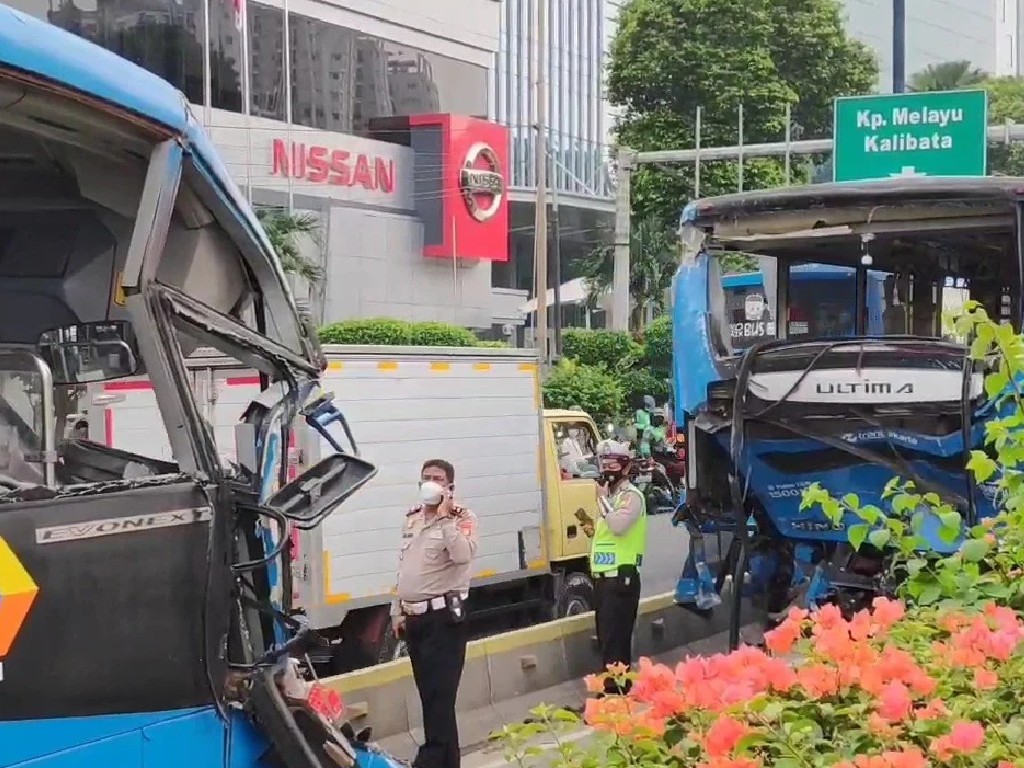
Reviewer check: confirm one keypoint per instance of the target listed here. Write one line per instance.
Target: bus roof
(37, 48)
(706, 212)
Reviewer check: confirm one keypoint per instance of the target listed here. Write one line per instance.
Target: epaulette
(458, 511)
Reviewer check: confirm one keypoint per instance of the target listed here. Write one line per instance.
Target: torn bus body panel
(126, 245)
(781, 385)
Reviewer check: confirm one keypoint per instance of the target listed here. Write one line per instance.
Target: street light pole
(540, 222)
(899, 46)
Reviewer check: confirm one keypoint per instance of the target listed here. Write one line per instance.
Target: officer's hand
(588, 529)
(446, 508)
(398, 625)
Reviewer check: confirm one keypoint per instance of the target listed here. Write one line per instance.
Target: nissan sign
(481, 181)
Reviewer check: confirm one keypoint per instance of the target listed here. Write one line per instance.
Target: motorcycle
(659, 491)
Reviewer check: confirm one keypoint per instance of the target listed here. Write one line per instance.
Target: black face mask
(612, 476)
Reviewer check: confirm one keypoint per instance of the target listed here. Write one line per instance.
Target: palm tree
(947, 76)
(652, 263)
(283, 229)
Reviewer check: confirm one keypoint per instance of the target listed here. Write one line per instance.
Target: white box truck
(478, 408)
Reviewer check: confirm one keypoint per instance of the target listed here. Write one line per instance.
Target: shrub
(590, 387)
(615, 350)
(888, 688)
(379, 331)
(657, 343)
(638, 382)
(435, 334)
(383, 331)
(493, 344)
(933, 681)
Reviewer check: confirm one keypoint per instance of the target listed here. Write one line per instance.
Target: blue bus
(146, 615)
(821, 302)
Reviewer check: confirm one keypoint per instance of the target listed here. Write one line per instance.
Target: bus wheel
(576, 595)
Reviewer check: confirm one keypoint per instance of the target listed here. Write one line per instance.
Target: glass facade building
(337, 79)
(576, 109)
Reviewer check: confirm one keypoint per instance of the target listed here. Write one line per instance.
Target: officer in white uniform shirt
(439, 541)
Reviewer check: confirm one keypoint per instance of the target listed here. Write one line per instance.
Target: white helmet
(614, 450)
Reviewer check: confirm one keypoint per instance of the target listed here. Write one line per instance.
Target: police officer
(439, 541)
(616, 553)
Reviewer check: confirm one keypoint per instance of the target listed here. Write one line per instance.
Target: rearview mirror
(90, 352)
(314, 494)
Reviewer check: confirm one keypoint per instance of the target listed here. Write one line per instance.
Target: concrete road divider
(517, 663)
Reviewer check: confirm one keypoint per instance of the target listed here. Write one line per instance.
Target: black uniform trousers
(437, 650)
(617, 601)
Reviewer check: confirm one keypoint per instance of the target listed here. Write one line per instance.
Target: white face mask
(431, 493)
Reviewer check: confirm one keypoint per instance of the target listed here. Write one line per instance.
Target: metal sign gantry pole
(628, 160)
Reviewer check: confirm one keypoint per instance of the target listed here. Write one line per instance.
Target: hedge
(639, 367)
(382, 331)
(612, 349)
(589, 387)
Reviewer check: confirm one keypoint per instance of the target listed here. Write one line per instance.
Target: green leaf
(974, 550)
(982, 466)
(915, 566)
(929, 594)
(879, 538)
(996, 383)
(856, 534)
(852, 500)
(870, 514)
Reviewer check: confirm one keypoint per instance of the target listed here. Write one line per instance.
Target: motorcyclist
(650, 427)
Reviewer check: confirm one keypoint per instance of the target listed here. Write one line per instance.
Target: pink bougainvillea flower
(827, 617)
(723, 736)
(964, 738)
(895, 703)
(862, 626)
(933, 710)
(818, 680)
(910, 757)
(731, 762)
(781, 640)
(887, 612)
(985, 679)
(594, 684)
(881, 727)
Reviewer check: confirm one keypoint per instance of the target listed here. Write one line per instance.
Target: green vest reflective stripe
(609, 551)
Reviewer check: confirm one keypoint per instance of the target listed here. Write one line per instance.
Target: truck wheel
(576, 595)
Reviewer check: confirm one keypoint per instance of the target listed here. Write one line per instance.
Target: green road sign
(910, 134)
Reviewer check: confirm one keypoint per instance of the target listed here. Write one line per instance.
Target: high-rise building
(574, 52)
(322, 116)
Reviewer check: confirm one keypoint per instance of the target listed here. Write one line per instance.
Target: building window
(266, 37)
(379, 78)
(167, 39)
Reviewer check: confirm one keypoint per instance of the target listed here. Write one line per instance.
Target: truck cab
(570, 441)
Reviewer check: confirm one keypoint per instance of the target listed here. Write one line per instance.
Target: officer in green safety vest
(617, 550)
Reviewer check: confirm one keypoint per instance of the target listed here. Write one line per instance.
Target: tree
(1005, 102)
(947, 76)
(670, 56)
(283, 229)
(652, 262)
